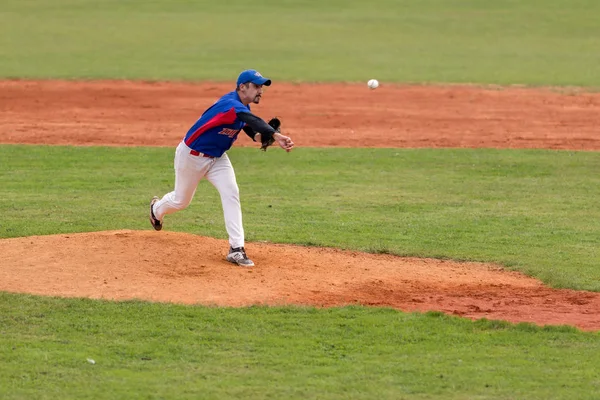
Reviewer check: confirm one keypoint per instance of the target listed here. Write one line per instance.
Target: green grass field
(534, 42)
(151, 351)
(531, 210)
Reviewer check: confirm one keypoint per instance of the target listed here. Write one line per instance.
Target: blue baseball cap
(252, 75)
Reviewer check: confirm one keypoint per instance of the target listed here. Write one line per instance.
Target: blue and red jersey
(218, 127)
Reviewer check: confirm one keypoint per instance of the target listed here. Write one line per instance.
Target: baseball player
(202, 154)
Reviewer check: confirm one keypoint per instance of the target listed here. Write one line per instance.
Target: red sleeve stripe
(225, 118)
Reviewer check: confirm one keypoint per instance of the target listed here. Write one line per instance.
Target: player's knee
(234, 192)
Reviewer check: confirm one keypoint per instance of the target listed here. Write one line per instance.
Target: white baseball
(373, 84)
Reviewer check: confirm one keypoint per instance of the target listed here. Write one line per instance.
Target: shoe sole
(155, 226)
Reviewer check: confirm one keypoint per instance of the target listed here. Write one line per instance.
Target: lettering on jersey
(229, 132)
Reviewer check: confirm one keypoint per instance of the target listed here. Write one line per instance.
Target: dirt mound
(184, 268)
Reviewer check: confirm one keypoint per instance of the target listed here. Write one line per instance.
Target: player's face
(252, 92)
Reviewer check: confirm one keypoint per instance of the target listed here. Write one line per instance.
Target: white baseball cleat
(238, 256)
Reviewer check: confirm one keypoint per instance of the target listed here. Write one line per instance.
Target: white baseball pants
(189, 170)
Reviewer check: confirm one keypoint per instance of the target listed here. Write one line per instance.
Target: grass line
(459, 41)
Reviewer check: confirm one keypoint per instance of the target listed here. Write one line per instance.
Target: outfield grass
(151, 351)
(531, 210)
(534, 42)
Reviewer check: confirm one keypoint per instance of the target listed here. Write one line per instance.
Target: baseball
(373, 84)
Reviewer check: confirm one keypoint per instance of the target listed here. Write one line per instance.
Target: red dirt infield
(152, 265)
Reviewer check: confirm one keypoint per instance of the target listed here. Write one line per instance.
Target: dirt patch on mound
(176, 267)
(184, 268)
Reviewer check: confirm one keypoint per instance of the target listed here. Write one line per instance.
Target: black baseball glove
(268, 140)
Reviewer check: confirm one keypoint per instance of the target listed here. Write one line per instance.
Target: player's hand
(284, 142)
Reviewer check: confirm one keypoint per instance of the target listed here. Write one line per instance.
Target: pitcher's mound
(185, 268)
